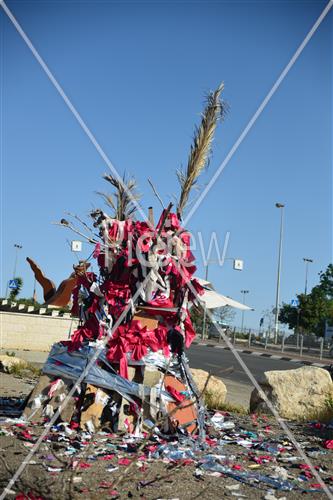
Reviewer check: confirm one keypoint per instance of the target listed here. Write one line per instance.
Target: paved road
(214, 360)
(207, 358)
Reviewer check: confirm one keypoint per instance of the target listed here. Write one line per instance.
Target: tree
(15, 291)
(221, 315)
(314, 308)
(326, 281)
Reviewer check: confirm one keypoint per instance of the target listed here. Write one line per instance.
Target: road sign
(13, 284)
(294, 302)
(76, 246)
(238, 264)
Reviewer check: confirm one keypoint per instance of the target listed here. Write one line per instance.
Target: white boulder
(296, 394)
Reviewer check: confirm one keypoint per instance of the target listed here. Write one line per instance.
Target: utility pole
(277, 298)
(307, 262)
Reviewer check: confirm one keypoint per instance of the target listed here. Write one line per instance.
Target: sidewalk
(305, 359)
(36, 358)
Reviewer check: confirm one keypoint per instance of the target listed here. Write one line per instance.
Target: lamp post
(277, 298)
(17, 247)
(243, 292)
(307, 262)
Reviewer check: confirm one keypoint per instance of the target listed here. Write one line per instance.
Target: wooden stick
(156, 193)
(165, 215)
(151, 216)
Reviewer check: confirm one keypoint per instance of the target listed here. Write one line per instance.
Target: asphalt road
(211, 359)
(216, 360)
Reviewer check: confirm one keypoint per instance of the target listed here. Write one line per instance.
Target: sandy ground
(78, 466)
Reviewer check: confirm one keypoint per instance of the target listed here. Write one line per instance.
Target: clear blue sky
(137, 72)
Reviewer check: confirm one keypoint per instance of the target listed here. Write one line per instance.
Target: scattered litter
(54, 469)
(112, 468)
(232, 487)
(221, 454)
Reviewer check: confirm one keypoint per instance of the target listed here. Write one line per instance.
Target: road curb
(266, 355)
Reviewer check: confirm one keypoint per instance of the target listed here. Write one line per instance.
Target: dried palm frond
(201, 147)
(123, 201)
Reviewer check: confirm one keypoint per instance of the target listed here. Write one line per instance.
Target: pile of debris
(126, 365)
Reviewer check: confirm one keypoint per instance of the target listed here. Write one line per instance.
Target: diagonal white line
(71, 107)
(258, 112)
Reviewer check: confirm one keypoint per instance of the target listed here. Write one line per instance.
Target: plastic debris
(221, 454)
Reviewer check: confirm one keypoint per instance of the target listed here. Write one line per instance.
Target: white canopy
(213, 300)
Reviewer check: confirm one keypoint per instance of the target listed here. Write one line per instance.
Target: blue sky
(137, 72)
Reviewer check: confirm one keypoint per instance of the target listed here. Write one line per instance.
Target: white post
(301, 348)
(321, 347)
(283, 339)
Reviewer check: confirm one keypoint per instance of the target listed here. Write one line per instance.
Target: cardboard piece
(182, 414)
(41, 394)
(94, 402)
(146, 320)
(127, 420)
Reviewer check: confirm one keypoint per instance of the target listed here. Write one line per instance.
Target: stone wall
(33, 331)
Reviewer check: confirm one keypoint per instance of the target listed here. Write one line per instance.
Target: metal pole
(306, 277)
(34, 295)
(321, 347)
(277, 298)
(204, 320)
(243, 292)
(283, 339)
(297, 328)
(307, 262)
(250, 334)
(15, 262)
(17, 248)
(301, 349)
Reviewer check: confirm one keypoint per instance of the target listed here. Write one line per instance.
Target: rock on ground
(216, 389)
(296, 394)
(8, 362)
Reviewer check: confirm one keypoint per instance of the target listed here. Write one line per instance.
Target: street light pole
(243, 292)
(307, 262)
(17, 247)
(277, 298)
